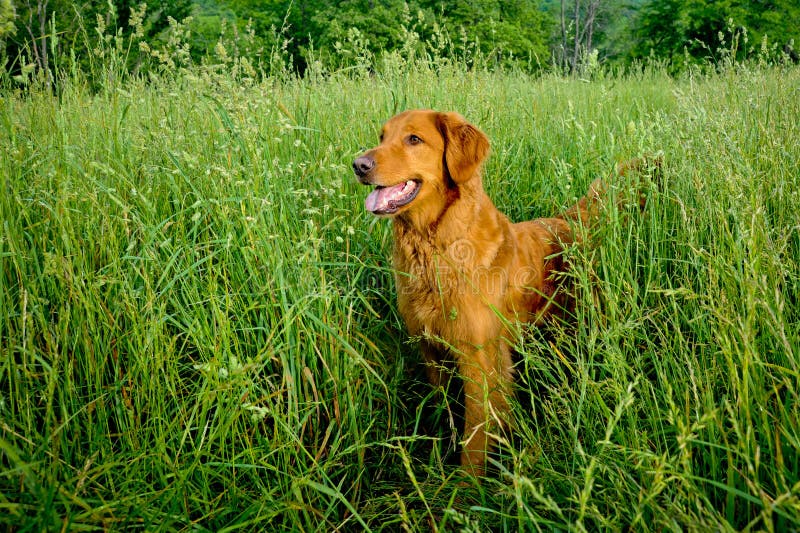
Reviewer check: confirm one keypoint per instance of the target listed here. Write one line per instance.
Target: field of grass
(198, 329)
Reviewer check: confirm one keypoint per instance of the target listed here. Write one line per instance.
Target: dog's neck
(457, 214)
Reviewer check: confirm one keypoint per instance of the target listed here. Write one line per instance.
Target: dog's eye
(413, 139)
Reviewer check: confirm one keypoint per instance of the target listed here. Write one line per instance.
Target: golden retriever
(466, 276)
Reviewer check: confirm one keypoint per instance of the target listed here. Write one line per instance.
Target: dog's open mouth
(387, 200)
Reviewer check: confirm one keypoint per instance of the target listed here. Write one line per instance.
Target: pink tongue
(380, 199)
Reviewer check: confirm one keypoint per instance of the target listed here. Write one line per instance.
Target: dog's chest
(432, 287)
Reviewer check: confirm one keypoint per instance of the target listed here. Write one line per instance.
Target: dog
(466, 276)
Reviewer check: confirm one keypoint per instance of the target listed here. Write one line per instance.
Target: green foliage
(197, 320)
(7, 28)
(339, 33)
(47, 40)
(60, 35)
(198, 331)
(694, 31)
(510, 30)
(7, 18)
(352, 31)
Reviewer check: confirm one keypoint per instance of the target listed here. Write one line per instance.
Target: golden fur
(466, 275)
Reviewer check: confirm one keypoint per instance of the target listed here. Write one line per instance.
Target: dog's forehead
(415, 121)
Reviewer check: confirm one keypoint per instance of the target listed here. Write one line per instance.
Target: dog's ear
(465, 146)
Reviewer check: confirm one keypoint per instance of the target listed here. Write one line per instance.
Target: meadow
(198, 328)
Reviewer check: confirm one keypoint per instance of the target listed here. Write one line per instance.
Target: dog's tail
(590, 206)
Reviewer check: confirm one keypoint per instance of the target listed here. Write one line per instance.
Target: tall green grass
(198, 331)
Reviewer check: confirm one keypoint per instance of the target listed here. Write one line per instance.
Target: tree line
(296, 35)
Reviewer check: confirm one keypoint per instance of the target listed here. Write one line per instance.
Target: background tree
(678, 30)
(337, 30)
(573, 35)
(44, 28)
(587, 31)
(7, 28)
(503, 29)
(34, 24)
(576, 24)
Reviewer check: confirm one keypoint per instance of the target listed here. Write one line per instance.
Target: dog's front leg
(436, 368)
(486, 372)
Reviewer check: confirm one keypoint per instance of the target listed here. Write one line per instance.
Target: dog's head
(421, 161)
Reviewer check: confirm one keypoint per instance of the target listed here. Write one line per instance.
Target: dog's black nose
(363, 165)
